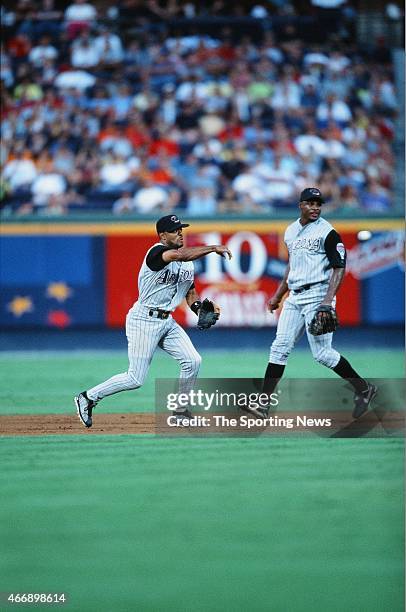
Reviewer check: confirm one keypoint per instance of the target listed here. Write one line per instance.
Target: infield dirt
(59, 424)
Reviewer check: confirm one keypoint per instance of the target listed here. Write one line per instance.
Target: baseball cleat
(259, 413)
(84, 407)
(363, 400)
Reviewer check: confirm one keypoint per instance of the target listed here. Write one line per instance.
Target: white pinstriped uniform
(307, 257)
(164, 289)
(308, 264)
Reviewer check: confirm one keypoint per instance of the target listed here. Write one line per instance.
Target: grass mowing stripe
(159, 524)
(48, 384)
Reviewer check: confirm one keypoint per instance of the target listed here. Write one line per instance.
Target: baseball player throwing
(315, 270)
(165, 279)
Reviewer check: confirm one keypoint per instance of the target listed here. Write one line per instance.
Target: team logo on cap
(174, 218)
(315, 191)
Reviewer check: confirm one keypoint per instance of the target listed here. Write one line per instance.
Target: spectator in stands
(349, 200)
(375, 198)
(6, 68)
(286, 94)
(151, 198)
(19, 172)
(28, 91)
(55, 206)
(125, 204)
(279, 180)
(85, 54)
(64, 161)
(248, 184)
(202, 201)
(42, 52)
(75, 79)
(355, 155)
(47, 185)
(333, 109)
(116, 174)
(78, 17)
(192, 116)
(309, 143)
(108, 47)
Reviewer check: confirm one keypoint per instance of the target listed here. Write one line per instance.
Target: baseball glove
(207, 316)
(324, 321)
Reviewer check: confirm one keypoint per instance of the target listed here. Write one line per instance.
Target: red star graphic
(59, 318)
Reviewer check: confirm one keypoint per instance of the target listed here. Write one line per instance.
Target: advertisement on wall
(241, 286)
(72, 281)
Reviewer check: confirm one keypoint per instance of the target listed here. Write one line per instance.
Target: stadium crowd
(135, 120)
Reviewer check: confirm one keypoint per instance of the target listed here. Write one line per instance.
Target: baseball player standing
(315, 270)
(165, 279)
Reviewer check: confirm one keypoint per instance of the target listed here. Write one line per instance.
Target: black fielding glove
(207, 316)
(324, 321)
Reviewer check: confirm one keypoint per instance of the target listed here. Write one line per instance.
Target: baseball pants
(298, 311)
(144, 335)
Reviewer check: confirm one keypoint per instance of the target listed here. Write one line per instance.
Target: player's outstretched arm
(192, 253)
(275, 300)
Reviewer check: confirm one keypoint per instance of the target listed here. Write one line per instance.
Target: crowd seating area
(110, 109)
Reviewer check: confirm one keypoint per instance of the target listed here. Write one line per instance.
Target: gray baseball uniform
(149, 324)
(314, 249)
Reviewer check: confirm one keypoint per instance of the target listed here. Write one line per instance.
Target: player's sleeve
(335, 250)
(154, 259)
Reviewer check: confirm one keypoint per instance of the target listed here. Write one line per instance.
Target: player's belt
(159, 313)
(306, 287)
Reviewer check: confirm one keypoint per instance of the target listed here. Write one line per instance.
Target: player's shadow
(358, 428)
(384, 419)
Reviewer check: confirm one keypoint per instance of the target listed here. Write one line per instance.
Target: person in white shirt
(202, 201)
(47, 184)
(75, 79)
(80, 11)
(42, 52)
(115, 172)
(191, 89)
(19, 173)
(286, 95)
(334, 110)
(278, 177)
(150, 198)
(248, 183)
(310, 144)
(109, 47)
(84, 52)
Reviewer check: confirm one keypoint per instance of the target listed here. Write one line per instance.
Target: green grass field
(46, 382)
(159, 524)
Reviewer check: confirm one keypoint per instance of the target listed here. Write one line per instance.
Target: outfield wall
(84, 274)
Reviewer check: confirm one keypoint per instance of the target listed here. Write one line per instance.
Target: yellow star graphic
(59, 291)
(20, 305)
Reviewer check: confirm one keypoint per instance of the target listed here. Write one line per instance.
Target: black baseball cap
(311, 193)
(169, 223)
